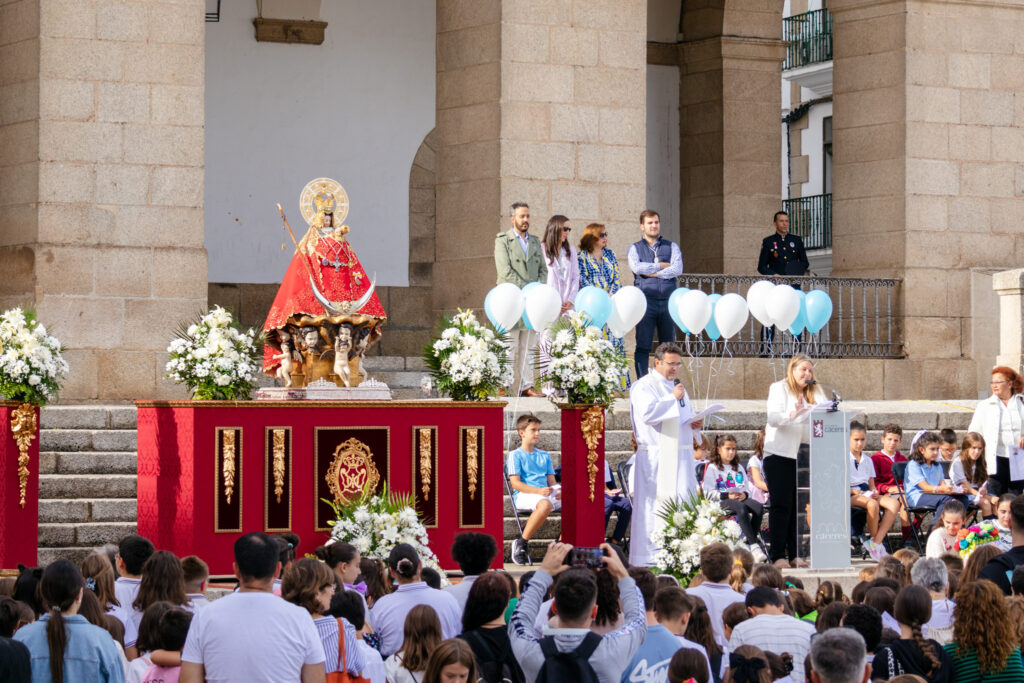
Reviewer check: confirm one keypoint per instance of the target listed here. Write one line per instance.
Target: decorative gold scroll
(352, 471)
(591, 425)
(227, 442)
(23, 428)
(426, 456)
(279, 464)
(472, 460)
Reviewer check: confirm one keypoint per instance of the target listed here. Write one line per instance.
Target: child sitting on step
(532, 476)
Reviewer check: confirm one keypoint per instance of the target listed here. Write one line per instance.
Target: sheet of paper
(708, 412)
(1016, 462)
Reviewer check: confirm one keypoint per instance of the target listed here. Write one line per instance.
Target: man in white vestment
(661, 413)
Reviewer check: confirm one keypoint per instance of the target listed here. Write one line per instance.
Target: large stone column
(542, 102)
(928, 137)
(101, 182)
(729, 113)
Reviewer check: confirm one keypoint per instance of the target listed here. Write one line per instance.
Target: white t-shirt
(252, 637)
(860, 473)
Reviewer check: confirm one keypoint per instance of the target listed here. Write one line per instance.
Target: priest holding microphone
(662, 416)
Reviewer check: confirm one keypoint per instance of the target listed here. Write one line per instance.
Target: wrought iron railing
(864, 323)
(809, 36)
(811, 219)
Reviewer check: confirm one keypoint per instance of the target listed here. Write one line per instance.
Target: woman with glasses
(598, 267)
(563, 275)
(1000, 420)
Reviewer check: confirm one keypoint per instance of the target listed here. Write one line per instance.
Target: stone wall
(103, 182)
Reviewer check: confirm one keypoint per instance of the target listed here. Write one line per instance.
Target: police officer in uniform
(781, 254)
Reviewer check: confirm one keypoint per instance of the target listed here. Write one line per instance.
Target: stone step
(74, 554)
(78, 510)
(87, 417)
(91, 534)
(75, 440)
(53, 486)
(86, 462)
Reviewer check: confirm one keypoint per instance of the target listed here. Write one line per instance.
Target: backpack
(568, 666)
(489, 669)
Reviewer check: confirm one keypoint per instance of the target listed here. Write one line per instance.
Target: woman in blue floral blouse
(600, 268)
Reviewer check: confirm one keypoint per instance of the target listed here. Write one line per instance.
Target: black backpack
(490, 669)
(568, 666)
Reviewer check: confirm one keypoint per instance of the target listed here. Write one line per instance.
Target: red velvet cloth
(295, 298)
(582, 518)
(179, 481)
(19, 526)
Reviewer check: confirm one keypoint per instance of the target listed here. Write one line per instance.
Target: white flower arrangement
(690, 525)
(375, 524)
(215, 359)
(31, 365)
(584, 367)
(468, 361)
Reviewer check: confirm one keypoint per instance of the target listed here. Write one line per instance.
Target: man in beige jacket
(519, 259)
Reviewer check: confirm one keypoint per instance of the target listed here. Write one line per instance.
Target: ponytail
(927, 649)
(404, 561)
(60, 587)
(335, 553)
(57, 640)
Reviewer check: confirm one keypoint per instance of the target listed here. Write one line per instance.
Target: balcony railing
(811, 219)
(864, 322)
(810, 38)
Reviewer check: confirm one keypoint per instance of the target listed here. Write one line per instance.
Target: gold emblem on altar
(352, 471)
(323, 195)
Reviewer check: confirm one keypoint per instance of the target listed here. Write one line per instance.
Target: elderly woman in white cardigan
(786, 440)
(1000, 420)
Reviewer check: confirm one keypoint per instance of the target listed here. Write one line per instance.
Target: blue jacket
(90, 654)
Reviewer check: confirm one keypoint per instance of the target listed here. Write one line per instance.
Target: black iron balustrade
(811, 219)
(809, 36)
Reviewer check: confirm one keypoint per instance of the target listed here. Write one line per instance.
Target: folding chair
(622, 469)
(701, 467)
(899, 472)
(623, 485)
(515, 511)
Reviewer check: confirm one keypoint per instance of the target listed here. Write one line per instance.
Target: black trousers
(1000, 482)
(656, 317)
(748, 515)
(780, 473)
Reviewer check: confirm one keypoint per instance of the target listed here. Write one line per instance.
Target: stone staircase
(88, 459)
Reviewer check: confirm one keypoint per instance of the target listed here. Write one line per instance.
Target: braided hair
(913, 609)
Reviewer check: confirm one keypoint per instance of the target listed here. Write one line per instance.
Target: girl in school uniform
(725, 478)
(970, 472)
(925, 485)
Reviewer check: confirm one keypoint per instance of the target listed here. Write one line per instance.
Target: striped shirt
(327, 629)
(776, 633)
(966, 670)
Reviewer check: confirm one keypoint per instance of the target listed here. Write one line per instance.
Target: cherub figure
(342, 347)
(284, 371)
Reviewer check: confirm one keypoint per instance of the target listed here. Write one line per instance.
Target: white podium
(824, 483)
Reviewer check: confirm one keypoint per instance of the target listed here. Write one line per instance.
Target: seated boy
(532, 477)
(947, 447)
(881, 510)
(614, 500)
(882, 461)
(196, 573)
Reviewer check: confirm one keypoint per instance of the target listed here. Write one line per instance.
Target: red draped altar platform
(209, 471)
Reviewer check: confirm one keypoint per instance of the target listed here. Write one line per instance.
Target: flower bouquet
(468, 361)
(376, 523)
(689, 525)
(31, 365)
(971, 537)
(584, 367)
(215, 359)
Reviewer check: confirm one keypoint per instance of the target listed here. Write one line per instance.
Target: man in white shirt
(473, 553)
(661, 413)
(253, 635)
(772, 630)
(715, 565)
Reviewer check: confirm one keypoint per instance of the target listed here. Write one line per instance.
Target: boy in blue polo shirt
(533, 481)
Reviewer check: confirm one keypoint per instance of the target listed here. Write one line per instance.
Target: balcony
(809, 51)
(811, 219)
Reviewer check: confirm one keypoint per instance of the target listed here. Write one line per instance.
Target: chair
(622, 470)
(701, 467)
(899, 472)
(622, 484)
(515, 511)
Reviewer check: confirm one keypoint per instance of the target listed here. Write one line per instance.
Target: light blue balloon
(711, 329)
(673, 308)
(595, 303)
(526, 321)
(490, 316)
(801, 318)
(819, 309)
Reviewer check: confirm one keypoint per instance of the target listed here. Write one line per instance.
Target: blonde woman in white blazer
(786, 439)
(1000, 420)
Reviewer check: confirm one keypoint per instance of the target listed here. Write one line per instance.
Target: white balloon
(783, 306)
(543, 306)
(507, 304)
(730, 314)
(694, 310)
(757, 297)
(628, 307)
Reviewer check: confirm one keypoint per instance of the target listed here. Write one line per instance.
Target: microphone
(835, 396)
(682, 399)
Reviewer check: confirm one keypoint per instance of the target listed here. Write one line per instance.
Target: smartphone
(587, 557)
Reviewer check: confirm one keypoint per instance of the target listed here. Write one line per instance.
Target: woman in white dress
(563, 274)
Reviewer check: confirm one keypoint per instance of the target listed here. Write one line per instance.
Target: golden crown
(324, 202)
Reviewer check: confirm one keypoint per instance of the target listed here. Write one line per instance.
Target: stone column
(103, 164)
(730, 104)
(542, 102)
(1009, 285)
(928, 137)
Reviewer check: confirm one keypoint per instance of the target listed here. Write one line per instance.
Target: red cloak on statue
(340, 278)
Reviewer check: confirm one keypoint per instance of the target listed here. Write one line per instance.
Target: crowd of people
(136, 614)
